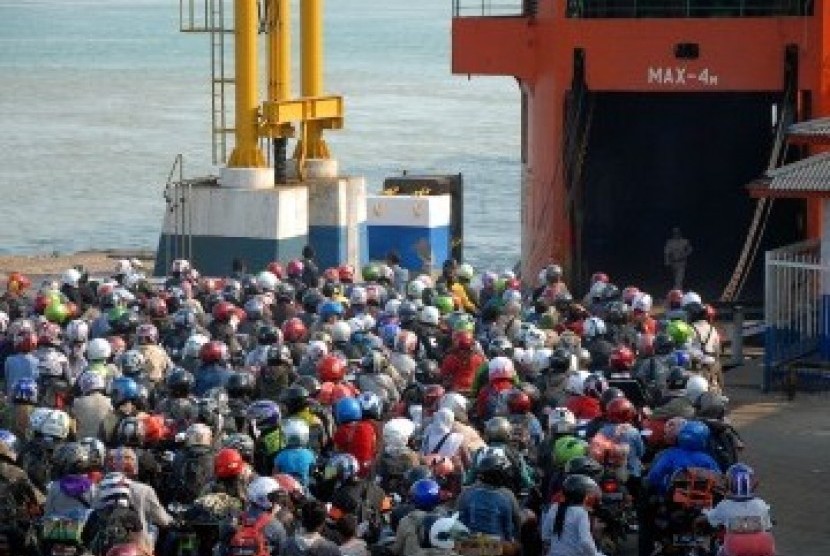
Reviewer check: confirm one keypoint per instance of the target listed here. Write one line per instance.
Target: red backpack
(249, 540)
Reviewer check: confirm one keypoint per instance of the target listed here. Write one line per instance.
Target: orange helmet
(17, 283)
(228, 464)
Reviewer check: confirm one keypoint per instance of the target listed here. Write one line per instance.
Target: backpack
(114, 527)
(393, 468)
(191, 477)
(249, 540)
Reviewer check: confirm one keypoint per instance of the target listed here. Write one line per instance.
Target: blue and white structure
(418, 227)
(337, 220)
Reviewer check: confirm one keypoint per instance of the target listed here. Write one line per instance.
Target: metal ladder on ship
(763, 206)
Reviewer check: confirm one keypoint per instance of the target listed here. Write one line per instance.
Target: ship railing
(796, 306)
(494, 8)
(688, 8)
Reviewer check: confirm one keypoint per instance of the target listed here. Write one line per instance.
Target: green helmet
(500, 285)
(115, 314)
(56, 312)
(547, 321)
(680, 332)
(445, 304)
(567, 448)
(371, 272)
(459, 320)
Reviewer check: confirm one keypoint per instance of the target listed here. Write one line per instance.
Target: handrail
(493, 8)
(590, 9)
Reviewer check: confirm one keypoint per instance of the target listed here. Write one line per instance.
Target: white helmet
(262, 492)
(525, 358)
(198, 434)
(642, 302)
(430, 315)
(90, 381)
(56, 424)
(392, 306)
(465, 271)
(317, 349)
(415, 289)
(296, 433)
(71, 277)
(453, 401)
(561, 420)
(426, 280)
(535, 338)
(37, 417)
(358, 296)
(511, 296)
(445, 530)
(4, 321)
(193, 345)
(397, 431)
(596, 289)
(179, 266)
(123, 266)
(77, 331)
(575, 385)
(696, 386)
(114, 489)
(593, 327)
(689, 298)
(267, 281)
(341, 331)
(541, 359)
(367, 321)
(98, 350)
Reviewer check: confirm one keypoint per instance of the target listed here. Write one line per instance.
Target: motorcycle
(614, 514)
(746, 536)
(680, 530)
(61, 534)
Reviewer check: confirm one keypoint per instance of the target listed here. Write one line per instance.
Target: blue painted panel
(421, 249)
(330, 243)
(214, 255)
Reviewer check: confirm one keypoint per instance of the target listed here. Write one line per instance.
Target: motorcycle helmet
(296, 433)
(620, 410)
(371, 405)
(694, 436)
(561, 420)
(25, 391)
(498, 429)
(567, 448)
(123, 389)
(70, 459)
(179, 382)
(264, 413)
(347, 410)
(740, 482)
(425, 494)
(584, 465)
(263, 491)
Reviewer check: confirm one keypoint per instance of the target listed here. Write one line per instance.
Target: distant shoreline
(97, 262)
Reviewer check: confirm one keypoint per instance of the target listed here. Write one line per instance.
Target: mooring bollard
(737, 335)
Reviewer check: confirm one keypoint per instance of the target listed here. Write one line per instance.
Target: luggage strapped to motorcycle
(694, 487)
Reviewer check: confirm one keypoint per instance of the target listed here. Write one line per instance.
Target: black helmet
(663, 344)
(610, 293)
(493, 469)
(427, 372)
(695, 310)
(295, 398)
(677, 378)
(286, 292)
(70, 459)
(179, 382)
(310, 383)
(268, 334)
(413, 394)
(616, 313)
(277, 354)
(311, 299)
(240, 384)
(500, 346)
(611, 393)
(584, 465)
(407, 312)
(498, 429)
(242, 443)
(131, 432)
(560, 360)
(577, 487)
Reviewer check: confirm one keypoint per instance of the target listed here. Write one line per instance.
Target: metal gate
(796, 319)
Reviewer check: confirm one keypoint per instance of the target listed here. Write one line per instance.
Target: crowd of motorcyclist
(299, 412)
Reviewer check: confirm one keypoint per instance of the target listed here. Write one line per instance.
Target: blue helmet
(123, 389)
(425, 494)
(389, 332)
(694, 436)
(740, 482)
(8, 443)
(347, 410)
(265, 413)
(330, 309)
(680, 358)
(24, 390)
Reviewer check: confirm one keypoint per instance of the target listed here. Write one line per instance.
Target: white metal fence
(795, 317)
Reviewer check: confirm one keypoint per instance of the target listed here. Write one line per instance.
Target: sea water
(98, 96)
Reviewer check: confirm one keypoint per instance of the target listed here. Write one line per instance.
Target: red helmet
(214, 352)
(331, 275)
(629, 293)
(599, 277)
(620, 410)
(346, 273)
(294, 268)
(41, 302)
(342, 390)
(155, 429)
(518, 402)
(293, 330)
(463, 339)
(275, 268)
(331, 369)
(156, 308)
(228, 464)
(222, 311)
(674, 300)
(622, 359)
(290, 485)
(25, 340)
(513, 284)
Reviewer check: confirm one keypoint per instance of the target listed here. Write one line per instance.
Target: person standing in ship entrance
(676, 253)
